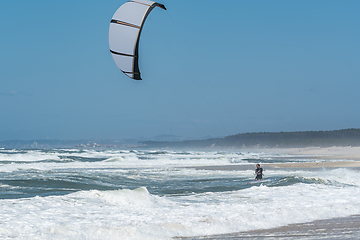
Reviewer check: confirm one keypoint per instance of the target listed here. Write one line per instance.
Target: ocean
(162, 194)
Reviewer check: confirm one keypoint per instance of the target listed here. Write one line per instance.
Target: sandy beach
(331, 153)
(302, 165)
(338, 157)
(334, 157)
(336, 228)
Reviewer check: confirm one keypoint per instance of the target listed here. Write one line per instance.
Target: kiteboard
(259, 182)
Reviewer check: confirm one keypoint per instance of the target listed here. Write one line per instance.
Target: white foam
(137, 197)
(35, 159)
(136, 214)
(44, 160)
(28, 156)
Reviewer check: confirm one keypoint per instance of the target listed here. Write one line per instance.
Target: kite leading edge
(124, 34)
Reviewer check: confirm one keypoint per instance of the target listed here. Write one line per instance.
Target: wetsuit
(258, 173)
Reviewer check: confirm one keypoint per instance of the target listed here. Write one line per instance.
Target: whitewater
(158, 194)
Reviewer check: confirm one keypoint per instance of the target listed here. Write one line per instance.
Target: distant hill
(344, 137)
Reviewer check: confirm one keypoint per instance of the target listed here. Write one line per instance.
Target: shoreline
(330, 153)
(335, 228)
(332, 157)
(334, 164)
(274, 166)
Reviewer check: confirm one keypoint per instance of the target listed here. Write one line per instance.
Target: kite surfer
(258, 172)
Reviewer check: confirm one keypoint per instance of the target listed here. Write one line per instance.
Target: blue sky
(209, 69)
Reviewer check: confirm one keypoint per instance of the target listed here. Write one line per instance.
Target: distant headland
(301, 139)
(340, 138)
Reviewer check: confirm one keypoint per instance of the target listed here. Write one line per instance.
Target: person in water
(258, 172)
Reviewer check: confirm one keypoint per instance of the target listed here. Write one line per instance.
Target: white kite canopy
(124, 34)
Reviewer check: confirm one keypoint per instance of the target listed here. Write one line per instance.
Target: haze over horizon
(209, 70)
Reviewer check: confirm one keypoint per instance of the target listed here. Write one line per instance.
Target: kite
(124, 34)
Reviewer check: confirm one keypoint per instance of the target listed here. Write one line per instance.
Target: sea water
(157, 194)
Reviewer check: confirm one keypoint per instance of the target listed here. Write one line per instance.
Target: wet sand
(330, 153)
(334, 157)
(335, 164)
(336, 228)
(298, 165)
